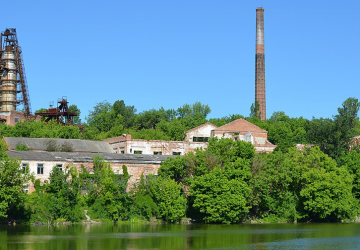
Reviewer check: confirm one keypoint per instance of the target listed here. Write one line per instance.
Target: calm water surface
(171, 237)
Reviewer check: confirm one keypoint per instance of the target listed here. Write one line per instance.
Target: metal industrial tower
(13, 86)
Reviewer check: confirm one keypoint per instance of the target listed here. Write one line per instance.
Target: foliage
(143, 206)
(21, 147)
(107, 196)
(224, 120)
(66, 147)
(57, 199)
(12, 182)
(334, 136)
(104, 118)
(76, 110)
(51, 146)
(255, 110)
(220, 196)
(352, 162)
(280, 134)
(168, 196)
(304, 185)
(127, 112)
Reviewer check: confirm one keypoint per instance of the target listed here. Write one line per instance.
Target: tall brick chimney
(260, 64)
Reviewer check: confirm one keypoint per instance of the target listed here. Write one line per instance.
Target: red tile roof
(240, 125)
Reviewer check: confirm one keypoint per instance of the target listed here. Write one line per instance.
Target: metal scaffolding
(13, 85)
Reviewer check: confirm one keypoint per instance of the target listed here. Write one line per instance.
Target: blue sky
(166, 53)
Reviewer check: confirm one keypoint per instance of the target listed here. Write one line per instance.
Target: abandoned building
(194, 138)
(42, 163)
(12, 117)
(139, 156)
(243, 130)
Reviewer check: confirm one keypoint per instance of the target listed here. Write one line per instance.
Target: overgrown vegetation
(226, 183)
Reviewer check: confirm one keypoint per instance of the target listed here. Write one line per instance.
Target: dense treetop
(332, 135)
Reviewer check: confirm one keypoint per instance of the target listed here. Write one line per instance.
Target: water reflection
(173, 237)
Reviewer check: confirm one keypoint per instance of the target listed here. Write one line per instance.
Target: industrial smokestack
(260, 64)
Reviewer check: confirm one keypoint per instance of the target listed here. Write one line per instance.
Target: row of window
(40, 167)
(200, 139)
(139, 152)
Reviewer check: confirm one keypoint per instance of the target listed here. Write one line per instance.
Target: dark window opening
(200, 139)
(16, 119)
(137, 152)
(157, 153)
(59, 166)
(24, 165)
(40, 168)
(176, 153)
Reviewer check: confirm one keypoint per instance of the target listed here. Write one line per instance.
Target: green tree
(352, 162)
(12, 182)
(301, 185)
(347, 124)
(127, 112)
(334, 136)
(104, 118)
(280, 134)
(255, 110)
(168, 196)
(107, 197)
(75, 109)
(143, 206)
(59, 198)
(13, 179)
(220, 196)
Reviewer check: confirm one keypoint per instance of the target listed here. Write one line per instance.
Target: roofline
(237, 131)
(201, 126)
(245, 121)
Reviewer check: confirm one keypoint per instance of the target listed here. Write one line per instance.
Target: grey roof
(87, 157)
(78, 145)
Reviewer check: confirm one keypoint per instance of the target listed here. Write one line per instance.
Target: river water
(170, 237)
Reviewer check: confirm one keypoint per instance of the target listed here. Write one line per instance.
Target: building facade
(41, 164)
(194, 138)
(13, 117)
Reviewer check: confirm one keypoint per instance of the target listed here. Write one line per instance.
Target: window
(123, 152)
(176, 153)
(40, 168)
(26, 188)
(59, 166)
(157, 153)
(24, 165)
(16, 119)
(200, 139)
(137, 152)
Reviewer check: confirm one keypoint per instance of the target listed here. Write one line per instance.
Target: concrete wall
(125, 145)
(201, 131)
(134, 170)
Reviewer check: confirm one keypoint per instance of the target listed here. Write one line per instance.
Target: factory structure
(13, 86)
(14, 90)
(140, 156)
